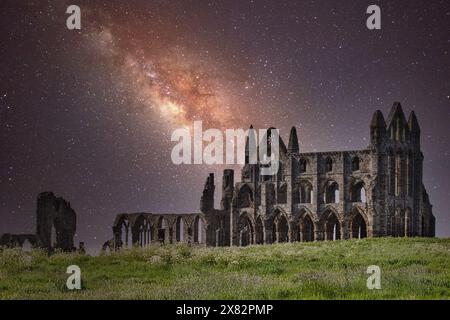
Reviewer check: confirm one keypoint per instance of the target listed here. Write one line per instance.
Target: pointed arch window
(306, 192)
(358, 192)
(331, 194)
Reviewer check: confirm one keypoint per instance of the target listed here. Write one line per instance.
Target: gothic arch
(331, 225)
(358, 191)
(358, 224)
(331, 192)
(122, 232)
(246, 230)
(305, 190)
(306, 227)
(280, 227)
(141, 230)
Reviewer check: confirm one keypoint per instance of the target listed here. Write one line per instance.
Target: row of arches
(304, 228)
(302, 193)
(143, 230)
(355, 164)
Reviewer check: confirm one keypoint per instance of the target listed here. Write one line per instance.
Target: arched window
(332, 227)
(358, 192)
(329, 164)
(303, 165)
(125, 234)
(245, 228)
(355, 164)
(282, 229)
(331, 192)
(306, 229)
(306, 192)
(358, 227)
(140, 229)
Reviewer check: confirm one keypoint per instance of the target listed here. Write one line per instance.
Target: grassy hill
(410, 269)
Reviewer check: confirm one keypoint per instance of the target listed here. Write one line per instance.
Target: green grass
(410, 269)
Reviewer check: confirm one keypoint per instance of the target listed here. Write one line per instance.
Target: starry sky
(89, 113)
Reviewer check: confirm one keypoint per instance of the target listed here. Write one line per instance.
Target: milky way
(88, 114)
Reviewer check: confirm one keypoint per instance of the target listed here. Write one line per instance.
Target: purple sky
(88, 114)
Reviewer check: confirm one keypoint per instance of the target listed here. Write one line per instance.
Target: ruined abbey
(374, 192)
(55, 226)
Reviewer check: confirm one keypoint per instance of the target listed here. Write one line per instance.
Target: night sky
(88, 114)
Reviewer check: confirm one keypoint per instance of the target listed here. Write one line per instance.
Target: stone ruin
(374, 192)
(55, 226)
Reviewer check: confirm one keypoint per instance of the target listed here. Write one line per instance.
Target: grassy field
(410, 269)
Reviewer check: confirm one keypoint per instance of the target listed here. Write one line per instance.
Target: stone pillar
(267, 231)
(241, 233)
(170, 235)
(291, 232)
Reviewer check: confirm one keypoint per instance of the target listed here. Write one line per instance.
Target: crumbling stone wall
(55, 224)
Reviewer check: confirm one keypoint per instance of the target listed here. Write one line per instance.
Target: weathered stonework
(208, 227)
(373, 192)
(56, 222)
(56, 226)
